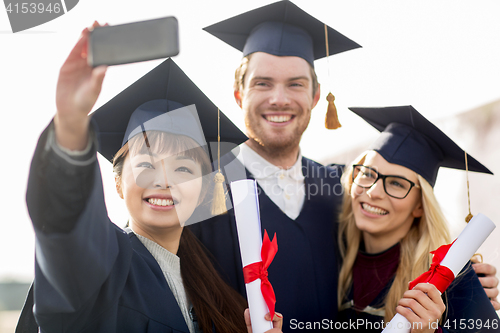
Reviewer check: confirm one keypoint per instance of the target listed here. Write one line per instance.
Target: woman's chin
(367, 224)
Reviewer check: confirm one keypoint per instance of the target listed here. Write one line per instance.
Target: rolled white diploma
(246, 211)
(464, 247)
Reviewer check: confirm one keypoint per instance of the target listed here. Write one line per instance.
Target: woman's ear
(419, 210)
(118, 184)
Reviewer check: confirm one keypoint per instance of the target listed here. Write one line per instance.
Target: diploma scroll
(246, 211)
(464, 247)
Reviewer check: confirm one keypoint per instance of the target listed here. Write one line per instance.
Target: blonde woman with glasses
(391, 220)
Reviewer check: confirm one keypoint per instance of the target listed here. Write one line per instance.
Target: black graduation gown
(304, 272)
(94, 277)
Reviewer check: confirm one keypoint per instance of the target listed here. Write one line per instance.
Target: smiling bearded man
(276, 88)
(277, 96)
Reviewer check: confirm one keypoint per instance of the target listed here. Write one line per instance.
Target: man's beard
(275, 144)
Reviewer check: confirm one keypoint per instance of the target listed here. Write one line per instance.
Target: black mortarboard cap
(410, 140)
(280, 29)
(163, 89)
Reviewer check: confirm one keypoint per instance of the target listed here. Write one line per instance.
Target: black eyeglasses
(395, 186)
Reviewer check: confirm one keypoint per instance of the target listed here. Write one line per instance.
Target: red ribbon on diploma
(439, 276)
(258, 270)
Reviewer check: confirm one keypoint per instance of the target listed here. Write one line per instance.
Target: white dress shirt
(286, 188)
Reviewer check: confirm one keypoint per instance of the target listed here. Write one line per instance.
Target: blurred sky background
(442, 57)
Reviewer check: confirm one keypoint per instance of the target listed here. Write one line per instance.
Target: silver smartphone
(133, 42)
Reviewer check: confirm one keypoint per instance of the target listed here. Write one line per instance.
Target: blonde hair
(426, 234)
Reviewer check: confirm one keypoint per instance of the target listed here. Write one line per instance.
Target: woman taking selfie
(92, 276)
(391, 220)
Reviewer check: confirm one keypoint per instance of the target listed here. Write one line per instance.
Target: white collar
(168, 261)
(260, 168)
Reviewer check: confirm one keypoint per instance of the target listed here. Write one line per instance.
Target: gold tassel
(477, 258)
(469, 216)
(219, 201)
(331, 119)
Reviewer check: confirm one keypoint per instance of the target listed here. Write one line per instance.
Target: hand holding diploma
(256, 256)
(422, 306)
(277, 322)
(454, 257)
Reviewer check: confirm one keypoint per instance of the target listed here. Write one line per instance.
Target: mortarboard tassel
(219, 200)
(332, 118)
(469, 216)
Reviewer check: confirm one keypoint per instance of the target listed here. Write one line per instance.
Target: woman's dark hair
(214, 302)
